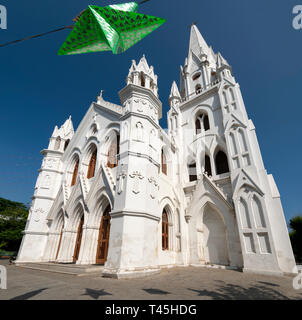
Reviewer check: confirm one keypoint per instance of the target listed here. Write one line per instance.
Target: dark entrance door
(103, 241)
(78, 241)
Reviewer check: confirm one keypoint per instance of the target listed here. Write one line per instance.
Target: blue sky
(39, 89)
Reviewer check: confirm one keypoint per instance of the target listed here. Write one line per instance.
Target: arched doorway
(104, 233)
(60, 241)
(78, 241)
(165, 231)
(215, 240)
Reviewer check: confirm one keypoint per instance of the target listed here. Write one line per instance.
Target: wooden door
(165, 231)
(75, 174)
(113, 152)
(103, 241)
(60, 241)
(91, 167)
(78, 241)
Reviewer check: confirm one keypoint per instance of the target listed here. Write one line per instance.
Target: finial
(100, 97)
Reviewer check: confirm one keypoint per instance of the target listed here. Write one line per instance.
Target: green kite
(113, 28)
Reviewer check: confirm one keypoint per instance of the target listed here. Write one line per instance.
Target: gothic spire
(174, 91)
(174, 95)
(197, 43)
(143, 66)
(66, 131)
(143, 75)
(221, 62)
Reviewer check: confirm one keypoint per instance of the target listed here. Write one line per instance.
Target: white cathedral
(126, 194)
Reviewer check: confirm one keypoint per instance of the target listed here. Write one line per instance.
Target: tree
(13, 217)
(296, 237)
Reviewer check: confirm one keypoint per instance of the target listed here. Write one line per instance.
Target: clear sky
(39, 89)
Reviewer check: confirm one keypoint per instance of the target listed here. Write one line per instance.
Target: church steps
(69, 269)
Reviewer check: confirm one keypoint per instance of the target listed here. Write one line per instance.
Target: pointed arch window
(206, 123)
(198, 126)
(207, 166)
(91, 166)
(192, 172)
(165, 231)
(202, 121)
(58, 143)
(171, 124)
(66, 144)
(225, 97)
(221, 162)
(139, 131)
(114, 150)
(75, 173)
(198, 89)
(163, 162)
(94, 130)
(233, 98)
(196, 76)
(232, 94)
(176, 122)
(142, 77)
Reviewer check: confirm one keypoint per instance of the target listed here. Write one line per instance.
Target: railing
(200, 91)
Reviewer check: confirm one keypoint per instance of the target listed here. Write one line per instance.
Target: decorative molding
(136, 175)
(42, 197)
(37, 214)
(35, 233)
(49, 163)
(121, 177)
(87, 227)
(94, 118)
(140, 115)
(153, 188)
(117, 214)
(139, 155)
(44, 152)
(50, 170)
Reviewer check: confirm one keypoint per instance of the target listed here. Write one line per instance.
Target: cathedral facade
(124, 193)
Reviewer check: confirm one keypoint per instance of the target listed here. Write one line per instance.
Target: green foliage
(7, 253)
(13, 216)
(296, 237)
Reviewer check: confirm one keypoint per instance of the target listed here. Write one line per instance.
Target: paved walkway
(191, 283)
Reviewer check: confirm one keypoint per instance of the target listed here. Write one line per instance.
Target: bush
(13, 216)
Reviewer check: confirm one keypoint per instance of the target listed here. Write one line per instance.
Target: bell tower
(46, 189)
(214, 114)
(198, 72)
(135, 217)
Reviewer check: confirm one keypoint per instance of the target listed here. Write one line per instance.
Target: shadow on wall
(260, 291)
